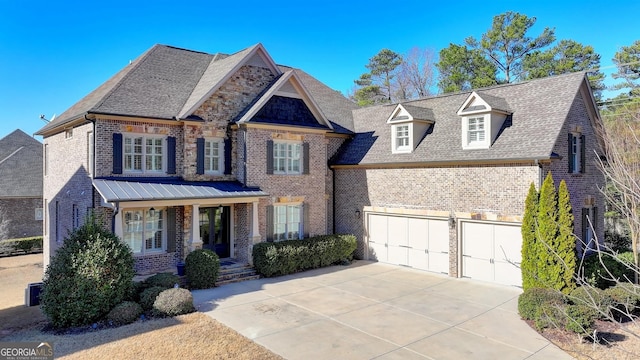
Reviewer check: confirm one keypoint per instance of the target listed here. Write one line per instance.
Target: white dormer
(482, 118)
(408, 126)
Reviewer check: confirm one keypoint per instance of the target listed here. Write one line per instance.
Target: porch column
(117, 224)
(255, 224)
(196, 242)
(254, 233)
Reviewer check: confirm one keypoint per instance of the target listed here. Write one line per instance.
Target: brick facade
(20, 217)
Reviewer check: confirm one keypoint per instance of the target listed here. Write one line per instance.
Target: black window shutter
(305, 158)
(227, 156)
(269, 156)
(305, 221)
(582, 154)
(570, 153)
(171, 155)
(200, 156)
(171, 230)
(270, 220)
(117, 153)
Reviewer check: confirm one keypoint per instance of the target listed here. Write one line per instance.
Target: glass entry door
(214, 229)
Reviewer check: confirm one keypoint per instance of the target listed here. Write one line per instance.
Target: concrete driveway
(371, 310)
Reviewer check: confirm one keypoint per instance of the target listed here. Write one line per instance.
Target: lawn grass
(191, 336)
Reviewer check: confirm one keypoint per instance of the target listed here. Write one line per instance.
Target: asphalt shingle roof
(20, 166)
(167, 82)
(538, 107)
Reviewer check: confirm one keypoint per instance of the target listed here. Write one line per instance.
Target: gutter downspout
(93, 173)
(116, 212)
(333, 199)
(244, 155)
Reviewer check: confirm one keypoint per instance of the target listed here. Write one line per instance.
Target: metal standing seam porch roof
(162, 189)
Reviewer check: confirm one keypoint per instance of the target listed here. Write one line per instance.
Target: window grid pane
(287, 222)
(476, 129)
(212, 156)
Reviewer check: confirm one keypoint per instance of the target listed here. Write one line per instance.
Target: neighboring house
(183, 150)
(20, 186)
(440, 183)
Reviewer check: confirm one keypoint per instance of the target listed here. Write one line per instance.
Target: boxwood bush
(88, 276)
(531, 300)
(603, 272)
(124, 313)
(166, 280)
(593, 298)
(201, 268)
(172, 302)
(148, 296)
(286, 257)
(25, 245)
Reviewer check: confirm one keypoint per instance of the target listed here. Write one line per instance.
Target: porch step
(236, 273)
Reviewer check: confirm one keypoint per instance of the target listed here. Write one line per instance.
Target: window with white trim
(143, 154)
(576, 153)
(143, 230)
(401, 138)
(589, 229)
(287, 222)
(476, 130)
(213, 156)
(287, 158)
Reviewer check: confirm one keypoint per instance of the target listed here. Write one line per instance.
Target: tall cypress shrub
(529, 265)
(547, 232)
(565, 244)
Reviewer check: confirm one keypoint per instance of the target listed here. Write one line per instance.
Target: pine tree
(529, 228)
(565, 244)
(547, 232)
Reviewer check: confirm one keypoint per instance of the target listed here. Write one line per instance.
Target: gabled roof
(171, 83)
(413, 113)
(539, 109)
(288, 85)
(20, 166)
(483, 102)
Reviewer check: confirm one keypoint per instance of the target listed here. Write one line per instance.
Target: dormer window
(408, 126)
(402, 138)
(476, 130)
(482, 116)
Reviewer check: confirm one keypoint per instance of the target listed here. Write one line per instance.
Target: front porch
(231, 271)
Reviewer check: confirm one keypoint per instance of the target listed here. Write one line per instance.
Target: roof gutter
(449, 163)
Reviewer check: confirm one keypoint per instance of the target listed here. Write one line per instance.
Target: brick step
(236, 273)
(238, 279)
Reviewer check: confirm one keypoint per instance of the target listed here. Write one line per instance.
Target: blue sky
(52, 53)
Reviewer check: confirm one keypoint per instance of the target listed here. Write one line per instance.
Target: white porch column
(196, 242)
(255, 224)
(117, 224)
(254, 234)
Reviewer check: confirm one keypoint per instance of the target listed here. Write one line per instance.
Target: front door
(214, 229)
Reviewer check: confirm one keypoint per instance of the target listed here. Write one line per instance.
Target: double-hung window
(213, 152)
(143, 154)
(402, 137)
(143, 230)
(287, 158)
(287, 222)
(576, 153)
(476, 130)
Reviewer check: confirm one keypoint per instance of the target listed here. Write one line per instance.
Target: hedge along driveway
(372, 310)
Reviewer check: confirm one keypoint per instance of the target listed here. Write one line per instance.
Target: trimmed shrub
(124, 313)
(605, 270)
(172, 302)
(133, 294)
(165, 280)
(593, 298)
(286, 257)
(550, 315)
(25, 245)
(201, 268)
(149, 295)
(626, 297)
(580, 319)
(88, 276)
(532, 299)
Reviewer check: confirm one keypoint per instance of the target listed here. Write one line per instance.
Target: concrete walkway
(372, 310)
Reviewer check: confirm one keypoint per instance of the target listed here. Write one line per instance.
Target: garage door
(489, 252)
(417, 242)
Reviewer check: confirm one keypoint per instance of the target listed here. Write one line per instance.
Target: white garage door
(420, 243)
(489, 252)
